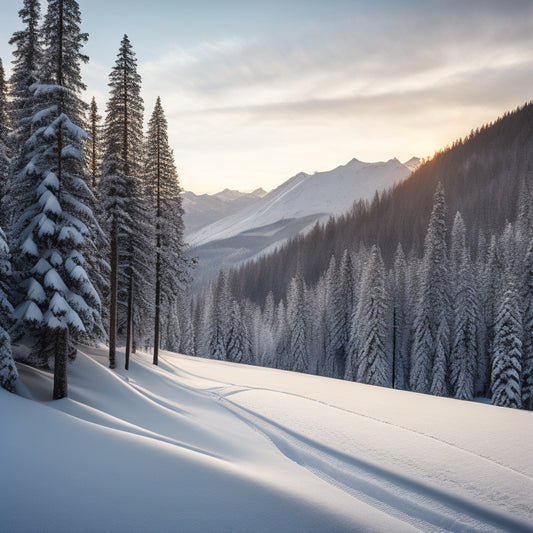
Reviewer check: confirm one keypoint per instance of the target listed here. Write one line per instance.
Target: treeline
(482, 175)
(455, 321)
(93, 221)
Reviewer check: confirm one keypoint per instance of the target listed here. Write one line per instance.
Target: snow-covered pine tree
(163, 191)
(188, 334)
(431, 326)
(238, 346)
(120, 186)
(507, 355)
(400, 321)
(94, 144)
(374, 362)
(57, 300)
(8, 370)
(464, 351)
(331, 282)
(221, 304)
(28, 59)
(342, 310)
(297, 352)
(527, 321)
(5, 157)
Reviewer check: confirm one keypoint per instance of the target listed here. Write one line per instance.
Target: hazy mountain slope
(202, 445)
(203, 209)
(289, 210)
(326, 193)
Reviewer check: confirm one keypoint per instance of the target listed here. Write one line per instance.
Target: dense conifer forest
(426, 288)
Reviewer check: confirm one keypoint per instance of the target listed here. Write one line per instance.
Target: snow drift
(200, 445)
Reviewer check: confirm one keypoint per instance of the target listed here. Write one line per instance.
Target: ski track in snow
(233, 388)
(417, 503)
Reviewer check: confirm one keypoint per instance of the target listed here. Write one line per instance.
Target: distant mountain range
(231, 227)
(204, 209)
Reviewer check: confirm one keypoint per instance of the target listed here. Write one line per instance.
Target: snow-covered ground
(200, 445)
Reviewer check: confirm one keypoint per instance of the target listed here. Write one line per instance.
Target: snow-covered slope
(292, 208)
(200, 445)
(203, 209)
(324, 193)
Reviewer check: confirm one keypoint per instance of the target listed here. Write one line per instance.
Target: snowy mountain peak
(325, 193)
(413, 163)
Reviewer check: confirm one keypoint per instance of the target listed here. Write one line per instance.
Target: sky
(257, 91)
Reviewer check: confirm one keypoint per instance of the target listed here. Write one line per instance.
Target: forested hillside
(481, 174)
(427, 288)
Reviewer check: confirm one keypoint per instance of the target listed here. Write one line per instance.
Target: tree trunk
(60, 363)
(113, 297)
(129, 321)
(157, 308)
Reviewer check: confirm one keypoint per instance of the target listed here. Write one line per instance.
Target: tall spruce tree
(57, 301)
(163, 190)
(8, 370)
(431, 328)
(507, 356)
(527, 322)
(221, 302)
(26, 63)
(464, 351)
(94, 144)
(5, 156)
(343, 306)
(297, 349)
(374, 364)
(120, 185)
(28, 59)
(401, 325)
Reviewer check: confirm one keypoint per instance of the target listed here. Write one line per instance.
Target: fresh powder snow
(203, 445)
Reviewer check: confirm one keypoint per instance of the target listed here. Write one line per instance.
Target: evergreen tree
(431, 327)
(527, 321)
(94, 145)
(28, 59)
(297, 350)
(4, 150)
(57, 301)
(464, 350)
(374, 364)
(238, 346)
(8, 370)
(188, 334)
(331, 282)
(219, 318)
(120, 185)
(507, 357)
(401, 312)
(164, 192)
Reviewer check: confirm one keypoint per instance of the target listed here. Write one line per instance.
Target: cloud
(353, 62)
(391, 82)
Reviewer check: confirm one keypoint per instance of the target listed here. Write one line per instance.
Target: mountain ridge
(291, 209)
